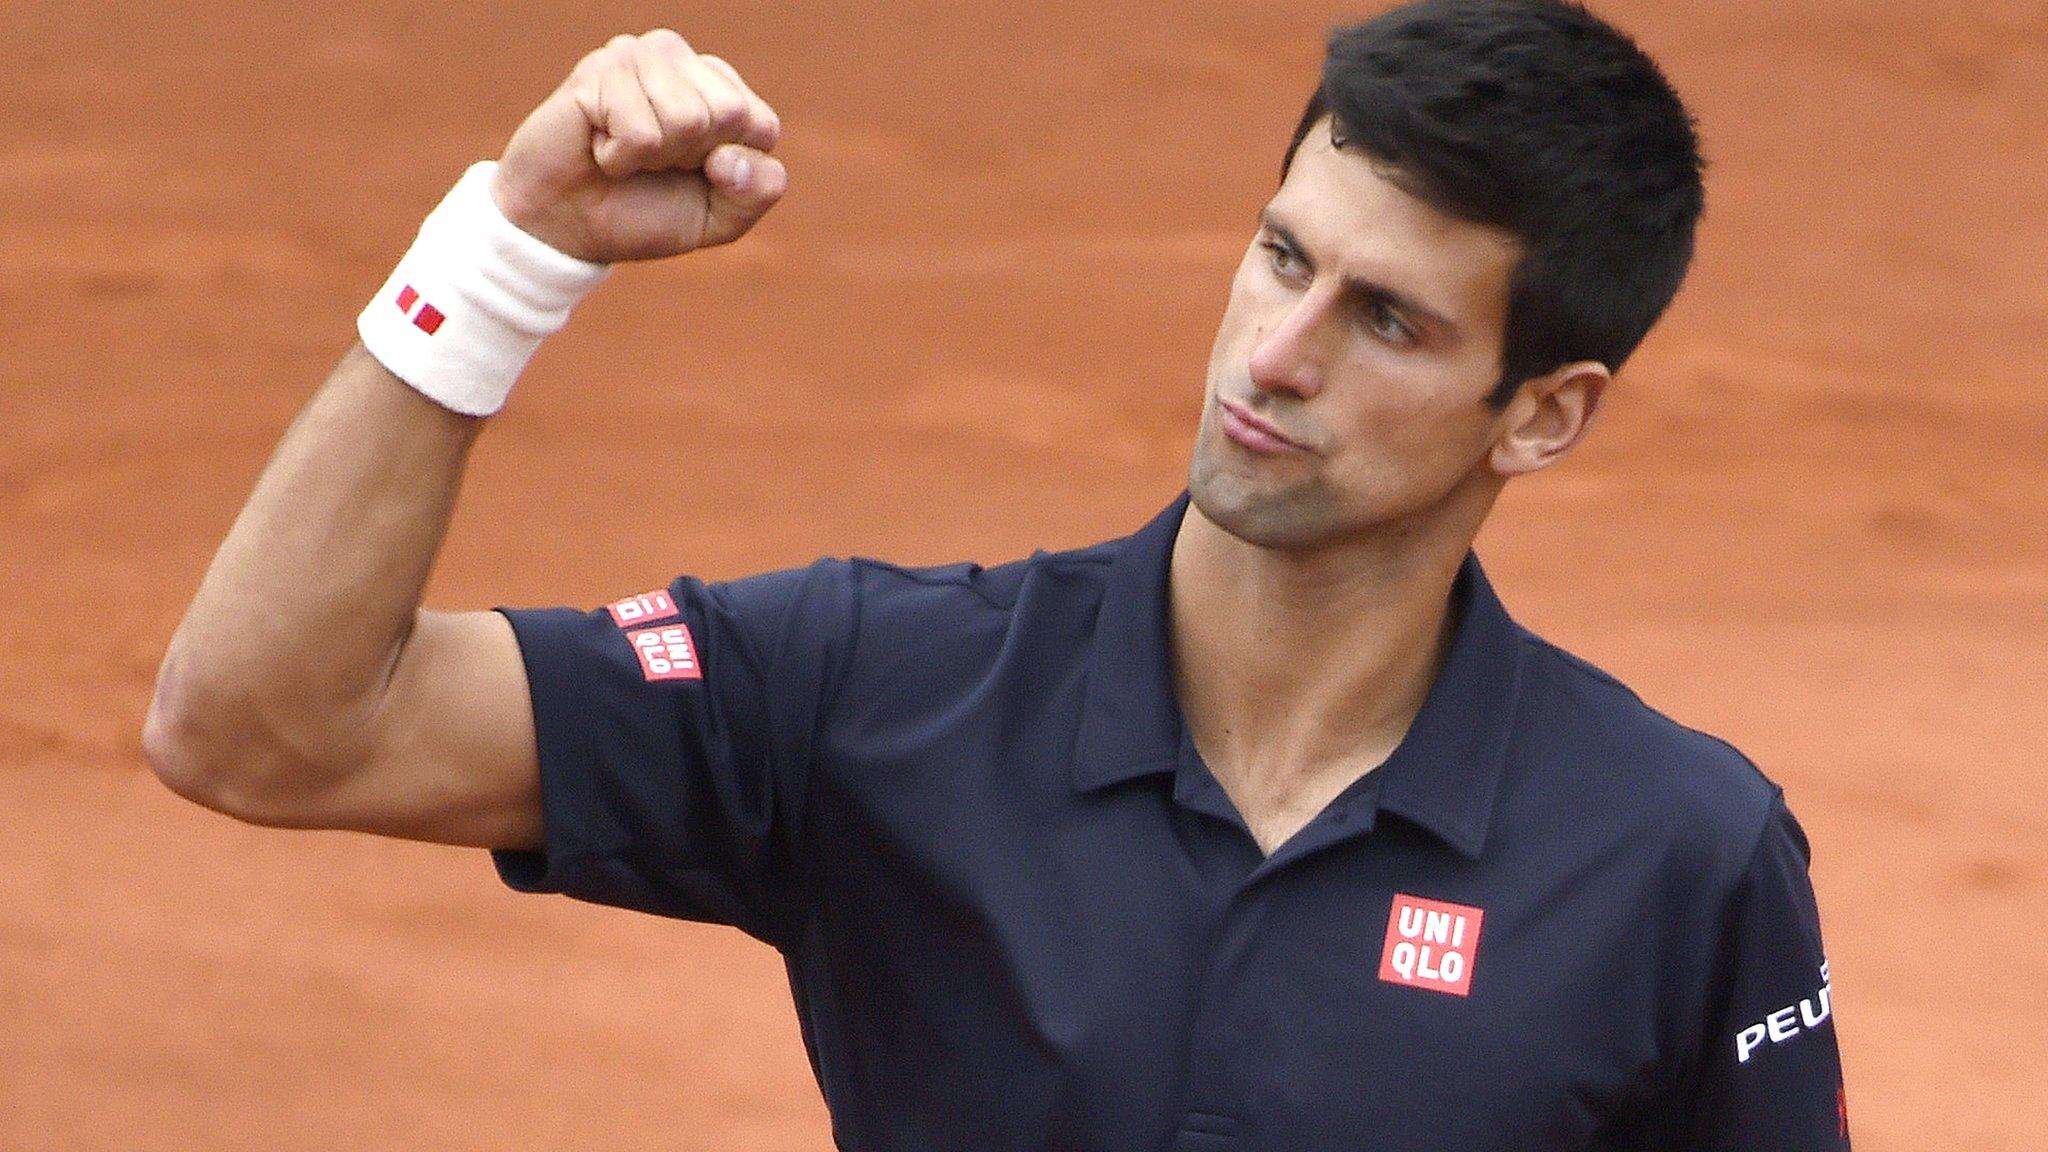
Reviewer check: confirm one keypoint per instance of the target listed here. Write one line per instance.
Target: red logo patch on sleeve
(1431, 945)
(666, 653)
(645, 608)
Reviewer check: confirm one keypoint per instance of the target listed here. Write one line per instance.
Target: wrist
(529, 214)
(472, 299)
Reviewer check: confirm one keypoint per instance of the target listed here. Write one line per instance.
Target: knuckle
(608, 60)
(724, 112)
(692, 118)
(637, 138)
(731, 74)
(665, 40)
(761, 128)
(675, 107)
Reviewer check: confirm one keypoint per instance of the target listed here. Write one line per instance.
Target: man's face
(1347, 387)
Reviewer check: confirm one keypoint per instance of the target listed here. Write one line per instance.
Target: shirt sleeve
(1771, 1075)
(675, 732)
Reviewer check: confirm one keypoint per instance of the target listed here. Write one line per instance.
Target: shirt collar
(1130, 717)
(1446, 772)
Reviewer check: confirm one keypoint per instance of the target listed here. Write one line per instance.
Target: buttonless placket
(1215, 1103)
(1212, 1102)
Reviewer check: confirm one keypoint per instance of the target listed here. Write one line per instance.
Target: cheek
(1248, 314)
(1412, 415)
(1435, 392)
(1393, 396)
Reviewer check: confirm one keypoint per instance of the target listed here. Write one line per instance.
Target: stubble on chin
(1269, 514)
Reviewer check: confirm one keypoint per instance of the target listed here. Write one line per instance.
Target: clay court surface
(1811, 521)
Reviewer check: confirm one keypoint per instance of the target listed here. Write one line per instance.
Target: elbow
(211, 753)
(174, 752)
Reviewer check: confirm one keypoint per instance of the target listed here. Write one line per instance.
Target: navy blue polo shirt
(1018, 912)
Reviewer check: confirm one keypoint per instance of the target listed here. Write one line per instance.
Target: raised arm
(305, 686)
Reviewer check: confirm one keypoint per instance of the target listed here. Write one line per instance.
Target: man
(1264, 828)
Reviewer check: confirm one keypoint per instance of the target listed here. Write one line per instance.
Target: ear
(1547, 417)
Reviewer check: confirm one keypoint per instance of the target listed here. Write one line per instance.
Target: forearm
(305, 687)
(281, 659)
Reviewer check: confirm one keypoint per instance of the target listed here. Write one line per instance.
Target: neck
(1298, 671)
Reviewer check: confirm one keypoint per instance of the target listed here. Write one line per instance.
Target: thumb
(744, 184)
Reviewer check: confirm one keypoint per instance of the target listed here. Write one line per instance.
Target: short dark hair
(1537, 117)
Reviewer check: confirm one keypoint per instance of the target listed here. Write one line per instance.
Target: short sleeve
(675, 732)
(1771, 1076)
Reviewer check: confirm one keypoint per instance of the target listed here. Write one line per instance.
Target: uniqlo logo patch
(426, 318)
(1431, 945)
(666, 653)
(642, 609)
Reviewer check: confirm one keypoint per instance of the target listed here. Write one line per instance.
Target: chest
(1130, 972)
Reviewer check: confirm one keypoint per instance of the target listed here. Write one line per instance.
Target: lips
(1254, 432)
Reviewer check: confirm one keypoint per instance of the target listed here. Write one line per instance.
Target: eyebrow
(1360, 288)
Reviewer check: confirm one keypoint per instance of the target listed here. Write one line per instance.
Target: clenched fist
(647, 150)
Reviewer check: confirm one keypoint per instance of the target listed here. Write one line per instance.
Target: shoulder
(926, 637)
(999, 588)
(1593, 745)
(912, 609)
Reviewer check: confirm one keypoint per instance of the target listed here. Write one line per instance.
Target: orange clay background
(1811, 520)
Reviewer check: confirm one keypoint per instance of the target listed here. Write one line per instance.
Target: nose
(1291, 355)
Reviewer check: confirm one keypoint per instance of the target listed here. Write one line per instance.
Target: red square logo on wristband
(427, 319)
(666, 653)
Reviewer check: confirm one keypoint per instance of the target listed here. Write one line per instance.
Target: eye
(1285, 261)
(1386, 323)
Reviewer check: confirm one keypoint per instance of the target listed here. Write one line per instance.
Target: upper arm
(1771, 1075)
(677, 746)
(451, 755)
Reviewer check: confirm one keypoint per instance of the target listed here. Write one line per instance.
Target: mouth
(1255, 433)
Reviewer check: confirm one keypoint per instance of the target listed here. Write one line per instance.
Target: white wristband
(472, 299)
